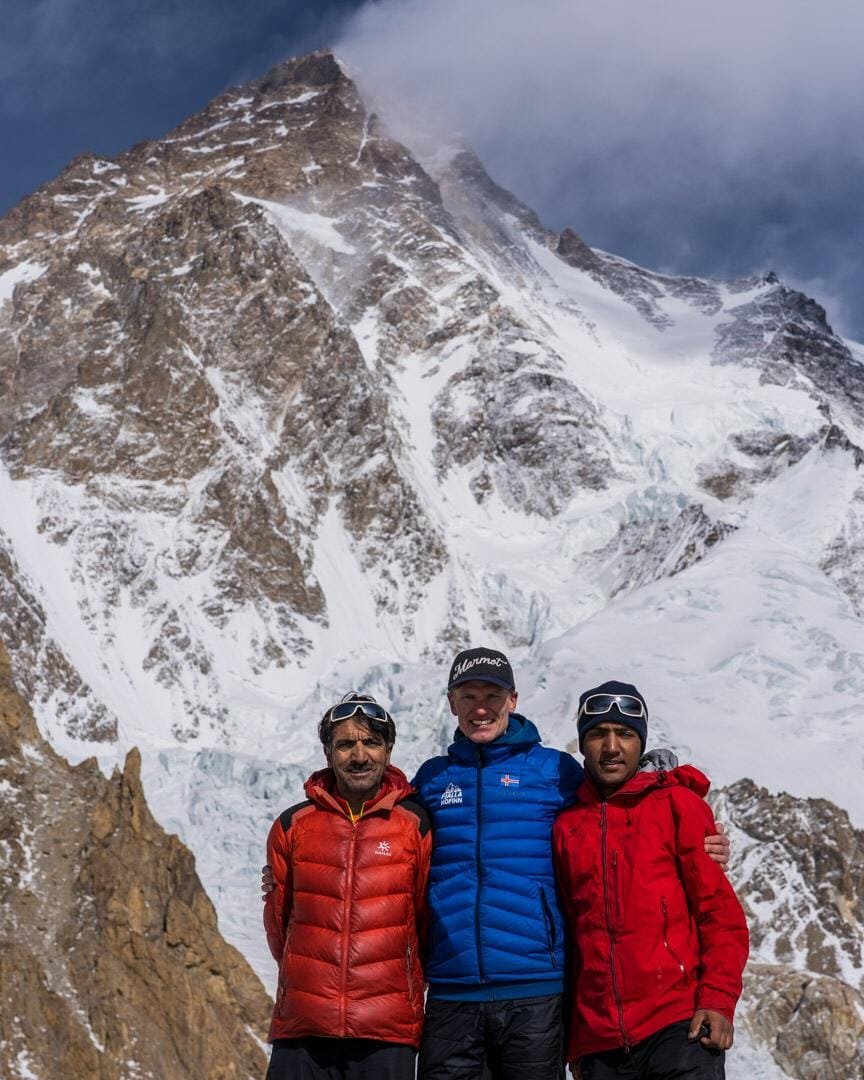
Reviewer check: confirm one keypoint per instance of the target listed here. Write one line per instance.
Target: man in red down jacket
(659, 937)
(346, 918)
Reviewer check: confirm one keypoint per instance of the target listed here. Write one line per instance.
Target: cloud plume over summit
(689, 137)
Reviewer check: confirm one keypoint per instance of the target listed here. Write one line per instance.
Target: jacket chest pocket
(616, 888)
(627, 845)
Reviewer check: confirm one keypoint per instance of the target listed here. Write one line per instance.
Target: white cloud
(715, 138)
(735, 68)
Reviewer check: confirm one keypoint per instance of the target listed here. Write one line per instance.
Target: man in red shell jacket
(659, 938)
(346, 917)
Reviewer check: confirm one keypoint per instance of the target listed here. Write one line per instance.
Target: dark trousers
(340, 1059)
(665, 1055)
(493, 1040)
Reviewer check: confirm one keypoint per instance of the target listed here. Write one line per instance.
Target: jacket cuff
(709, 998)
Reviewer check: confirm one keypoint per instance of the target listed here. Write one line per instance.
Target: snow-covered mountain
(288, 409)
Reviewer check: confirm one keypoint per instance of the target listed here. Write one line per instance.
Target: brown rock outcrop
(111, 962)
(812, 1024)
(798, 866)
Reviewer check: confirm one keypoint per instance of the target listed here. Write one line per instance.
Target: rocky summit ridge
(287, 408)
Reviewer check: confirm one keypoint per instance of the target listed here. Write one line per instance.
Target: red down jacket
(657, 929)
(343, 920)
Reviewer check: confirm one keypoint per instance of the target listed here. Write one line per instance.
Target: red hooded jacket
(347, 914)
(657, 930)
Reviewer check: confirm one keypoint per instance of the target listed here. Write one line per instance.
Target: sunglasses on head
(346, 709)
(597, 704)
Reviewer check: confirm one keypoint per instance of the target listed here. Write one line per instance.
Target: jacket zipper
(607, 903)
(409, 957)
(669, 948)
(616, 888)
(477, 910)
(346, 928)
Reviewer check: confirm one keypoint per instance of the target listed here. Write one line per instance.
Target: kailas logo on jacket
(383, 848)
(452, 795)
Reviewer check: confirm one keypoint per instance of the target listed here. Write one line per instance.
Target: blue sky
(100, 75)
(692, 138)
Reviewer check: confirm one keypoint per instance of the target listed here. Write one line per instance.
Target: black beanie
(639, 724)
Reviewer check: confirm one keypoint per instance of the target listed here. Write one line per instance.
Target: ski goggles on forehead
(371, 709)
(626, 704)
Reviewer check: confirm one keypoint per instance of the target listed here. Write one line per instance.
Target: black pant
(665, 1055)
(493, 1040)
(340, 1059)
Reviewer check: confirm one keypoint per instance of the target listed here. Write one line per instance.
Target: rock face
(799, 868)
(798, 858)
(812, 1024)
(111, 963)
(47, 677)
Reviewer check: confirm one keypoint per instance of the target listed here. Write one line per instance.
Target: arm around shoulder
(720, 920)
(570, 777)
(277, 903)
(421, 884)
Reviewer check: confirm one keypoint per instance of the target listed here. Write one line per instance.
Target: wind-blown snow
(292, 221)
(147, 202)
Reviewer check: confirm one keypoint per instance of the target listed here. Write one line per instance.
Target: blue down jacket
(495, 930)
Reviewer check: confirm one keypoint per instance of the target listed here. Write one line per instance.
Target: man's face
(358, 757)
(612, 752)
(482, 709)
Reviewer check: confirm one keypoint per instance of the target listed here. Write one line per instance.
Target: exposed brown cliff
(111, 962)
(798, 866)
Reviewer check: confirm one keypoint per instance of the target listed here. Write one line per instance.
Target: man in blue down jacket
(495, 956)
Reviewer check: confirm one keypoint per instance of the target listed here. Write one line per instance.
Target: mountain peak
(320, 68)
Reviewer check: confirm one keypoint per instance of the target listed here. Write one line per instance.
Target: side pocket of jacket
(280, 998)
(409, 964)
(549, 920)
(674, 955)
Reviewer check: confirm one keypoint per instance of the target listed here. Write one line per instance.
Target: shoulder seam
(286, 817)
(412, 807)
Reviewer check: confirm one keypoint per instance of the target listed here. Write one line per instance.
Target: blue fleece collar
(520, 732)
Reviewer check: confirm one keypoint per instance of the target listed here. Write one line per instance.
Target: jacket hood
(520, 732)
(321, 789)
(682, 776)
